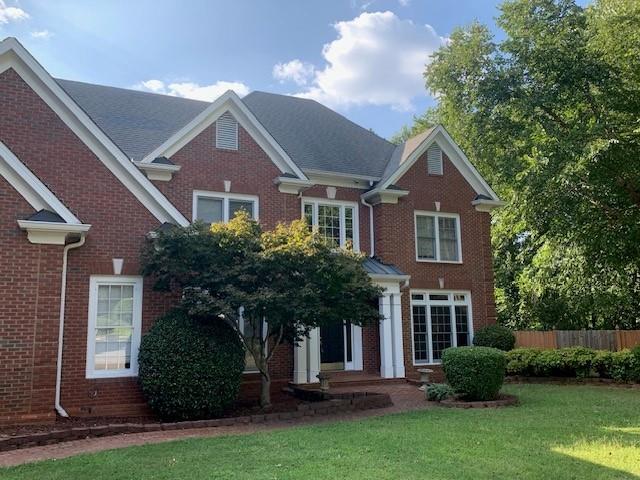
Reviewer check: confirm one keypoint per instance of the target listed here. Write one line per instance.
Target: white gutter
(371, 235)
(61, 411)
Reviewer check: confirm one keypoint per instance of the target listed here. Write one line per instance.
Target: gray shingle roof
(374, 266)
(314, 136)
(46, 216)
(136, 121)
(317, 138)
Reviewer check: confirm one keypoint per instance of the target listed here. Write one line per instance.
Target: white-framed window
(227, 132)
(115, 323)
(212, 207)
(439, 320)
(434, 160)
(335, 220)
(247, 329)
(438, 237)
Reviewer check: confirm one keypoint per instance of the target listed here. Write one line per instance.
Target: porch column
(391, 343)
(306, 358)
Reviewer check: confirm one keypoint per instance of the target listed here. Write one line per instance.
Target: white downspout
(371, 235)
(63, 294)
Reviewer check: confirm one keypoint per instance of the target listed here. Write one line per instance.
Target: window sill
(434, 364)
(111, 374)
(452, 262)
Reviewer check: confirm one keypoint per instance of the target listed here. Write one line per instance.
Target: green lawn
(557, 432)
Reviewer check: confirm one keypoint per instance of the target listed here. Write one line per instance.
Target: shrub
(190, 370)
(475, 373)
(495, 336)
(579, 362)
(436, 392)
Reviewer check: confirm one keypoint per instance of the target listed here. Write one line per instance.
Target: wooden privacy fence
(598, 339)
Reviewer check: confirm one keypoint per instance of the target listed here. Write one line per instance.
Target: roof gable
(14, 55)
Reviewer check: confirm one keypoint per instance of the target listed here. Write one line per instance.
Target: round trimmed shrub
(189, 370)
(474, 373)
(495, 336)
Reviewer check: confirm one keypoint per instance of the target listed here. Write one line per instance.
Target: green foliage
(436, 392)
(189, 369)
(579, 362)
(475, 373)
(285, 282)
(549, 117)
(495, 336)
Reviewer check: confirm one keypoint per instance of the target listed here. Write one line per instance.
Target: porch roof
(383, 271)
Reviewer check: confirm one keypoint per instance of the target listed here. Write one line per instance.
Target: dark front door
(332, 347)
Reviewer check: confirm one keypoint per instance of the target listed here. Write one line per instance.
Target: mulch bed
(503, 400)
(25, 436)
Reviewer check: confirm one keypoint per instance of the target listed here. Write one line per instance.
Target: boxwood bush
(474, 373)
(495, 336)
(578, 362)
(188, 369)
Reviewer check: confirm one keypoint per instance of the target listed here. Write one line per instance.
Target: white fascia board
(30, 187)
(293, 186)
(229, 101)
(51, 233)
(14, 55)
(158, 171)
(381, 277)
(456, 156)
(384, 196)
(484, 205)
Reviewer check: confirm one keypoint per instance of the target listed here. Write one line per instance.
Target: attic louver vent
(434, 160)
(227, 132)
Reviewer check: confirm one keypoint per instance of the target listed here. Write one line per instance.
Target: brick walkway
(405, 397)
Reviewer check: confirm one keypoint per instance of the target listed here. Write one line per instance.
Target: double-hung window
(438, 237)
(439, 320)
(115, 321)
(335, 221)
(212, 207)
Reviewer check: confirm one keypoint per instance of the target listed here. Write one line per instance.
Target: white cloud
(207, 93)
(376, 59)
(404, 3)
(297, 71)
(11, 14)
(42, 34)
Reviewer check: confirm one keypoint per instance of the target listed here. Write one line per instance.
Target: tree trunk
(265, 389)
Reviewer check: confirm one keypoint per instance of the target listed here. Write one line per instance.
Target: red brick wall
(29, 314)
(395, 243)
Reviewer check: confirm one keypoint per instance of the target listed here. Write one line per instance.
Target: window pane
(348, 225)
(417, 296)
(308, 214)
(448, 238)
(440, 330)
(329, 223)
(439, 297)
(237, 205)
(420, 343)
(426, 237)
(251, 336)
(113, 348)
(462, 326)
(209, 210)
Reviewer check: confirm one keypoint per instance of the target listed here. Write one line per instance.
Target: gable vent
(227, 132)
(434, 160)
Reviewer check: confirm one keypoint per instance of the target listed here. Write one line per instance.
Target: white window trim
(241, 328)
(436, 215)
(94, 282)
(427, 303)
(225, 197)
(341, 203)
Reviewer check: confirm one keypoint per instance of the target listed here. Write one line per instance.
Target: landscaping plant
(436, 392)
(474, 373)
(269, 287)
(495, 336)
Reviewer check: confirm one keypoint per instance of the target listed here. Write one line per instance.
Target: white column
(398, 344)
(356, 346)
(386, 336)
(313, 356)
(300, 365)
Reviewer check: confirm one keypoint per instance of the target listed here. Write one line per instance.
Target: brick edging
(346, 403)
(606, 382)
(503, 401)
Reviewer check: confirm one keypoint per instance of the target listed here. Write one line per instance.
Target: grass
(558, 432)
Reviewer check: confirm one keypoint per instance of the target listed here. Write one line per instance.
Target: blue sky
(362, 58)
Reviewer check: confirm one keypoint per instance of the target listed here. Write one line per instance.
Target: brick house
(87, 171)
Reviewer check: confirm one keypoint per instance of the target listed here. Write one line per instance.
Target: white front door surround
(306, 358)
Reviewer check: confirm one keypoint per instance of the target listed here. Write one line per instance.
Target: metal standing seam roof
(314, 136)
(374, 266)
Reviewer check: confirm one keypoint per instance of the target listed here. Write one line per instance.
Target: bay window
(439, 320)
